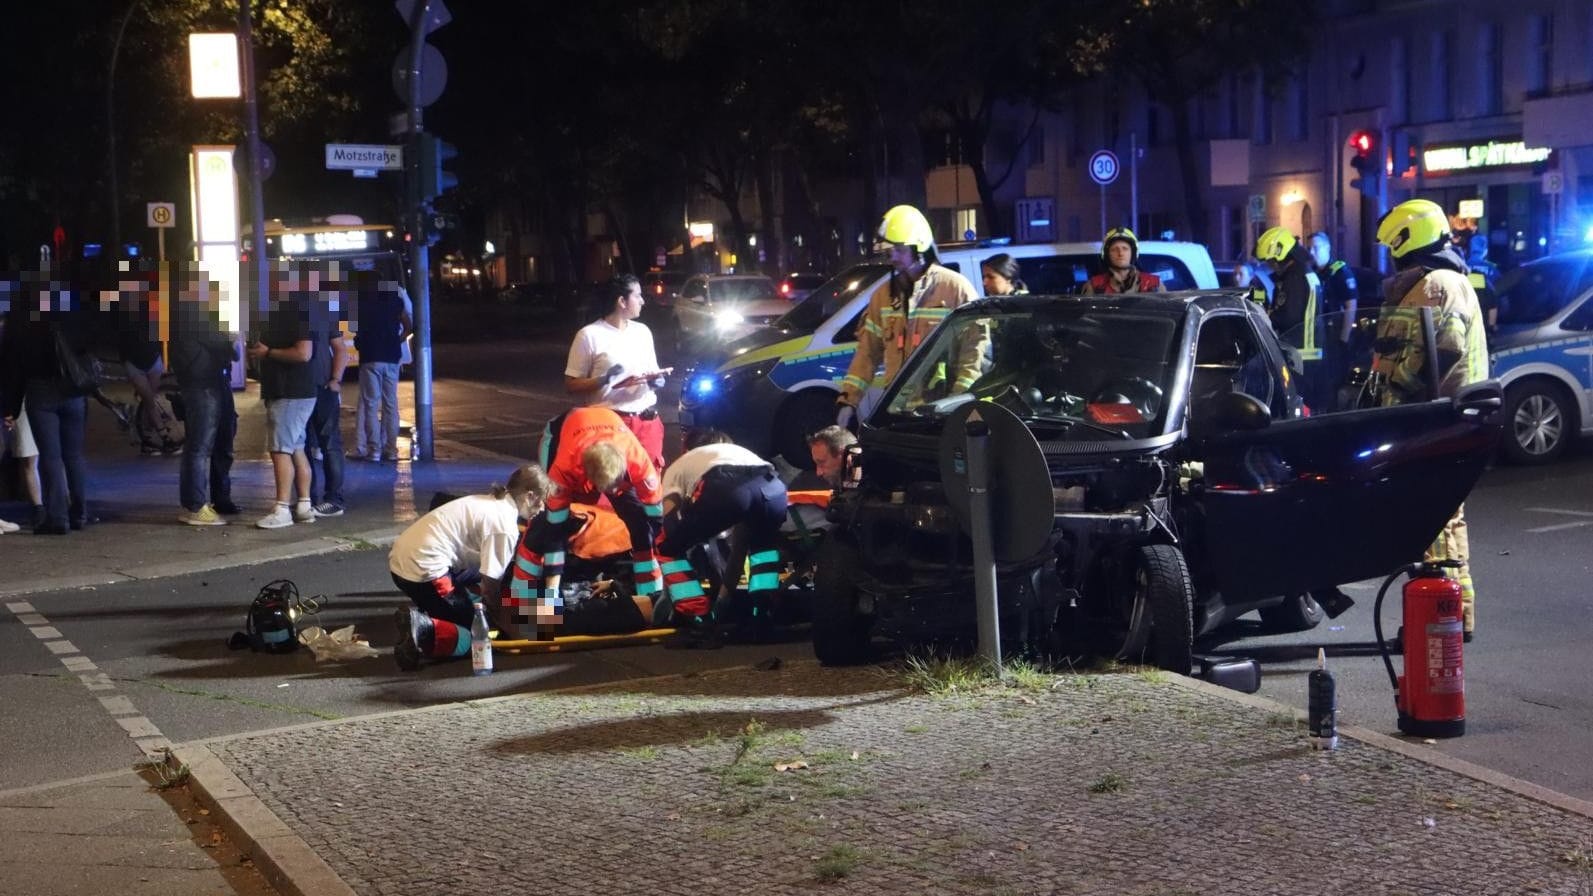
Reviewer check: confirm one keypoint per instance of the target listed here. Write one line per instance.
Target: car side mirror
(1240, 411)
(1480, 399)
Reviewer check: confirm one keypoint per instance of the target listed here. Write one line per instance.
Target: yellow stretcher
(572, 643)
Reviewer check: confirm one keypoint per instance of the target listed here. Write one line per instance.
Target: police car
(769, 389)
(1542, 352)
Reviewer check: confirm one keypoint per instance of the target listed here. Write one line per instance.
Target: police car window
(1580, 320)
(1535, 292)
(1174, 274)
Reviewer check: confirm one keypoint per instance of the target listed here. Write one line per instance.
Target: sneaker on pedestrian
(7, 527)
(204, 516)
(303, 513)
(280, 517)
(149, 450)
(227, 508)
(359, 455)
(327, 508)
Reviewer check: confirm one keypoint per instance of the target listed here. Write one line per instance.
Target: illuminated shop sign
(1493, 154)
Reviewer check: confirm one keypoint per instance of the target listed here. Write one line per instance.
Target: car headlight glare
(703, 385)
(727, 318)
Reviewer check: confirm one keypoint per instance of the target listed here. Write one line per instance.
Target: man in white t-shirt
(707, 490)
(613, 364)
(467, 542)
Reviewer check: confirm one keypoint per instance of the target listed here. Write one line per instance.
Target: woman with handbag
(44, 353)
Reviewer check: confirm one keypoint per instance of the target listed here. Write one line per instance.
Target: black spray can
(1322, 705)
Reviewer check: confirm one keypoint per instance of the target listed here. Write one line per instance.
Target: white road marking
(1576, 525)
(1586, 513)
(144, 734)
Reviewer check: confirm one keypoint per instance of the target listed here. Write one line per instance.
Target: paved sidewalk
(1080, 784)
(114, 833)
(134, 500)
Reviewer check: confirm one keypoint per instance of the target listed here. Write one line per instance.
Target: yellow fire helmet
(1412, 226)
(1275, 244)
(906, 226)
(1121, 234)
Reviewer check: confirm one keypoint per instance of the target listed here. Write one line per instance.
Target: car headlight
(727, 318)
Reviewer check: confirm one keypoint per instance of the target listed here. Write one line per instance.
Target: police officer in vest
(1341, 297)
(1482, 276)
(1430, 273)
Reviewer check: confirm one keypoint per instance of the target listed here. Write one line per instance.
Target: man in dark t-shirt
(382, 322)
(287, 388)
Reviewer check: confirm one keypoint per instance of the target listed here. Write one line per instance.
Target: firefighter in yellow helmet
(920, 295)
(1120, 252)
(1429, 273)
(1296, 300)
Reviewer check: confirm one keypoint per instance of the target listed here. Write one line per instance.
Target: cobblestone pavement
(1128, 783)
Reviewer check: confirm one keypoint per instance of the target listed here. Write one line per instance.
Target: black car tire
(1297, 613)
(841, 635)
(802, 415)
(1156, 626)
(1540, 419)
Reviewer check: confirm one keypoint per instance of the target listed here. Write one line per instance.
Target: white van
(769, 389)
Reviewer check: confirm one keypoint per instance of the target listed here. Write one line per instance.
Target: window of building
(1076, 132)
(1299, 107)
(1399, 88)
(1490, 69)
(1540, 54)
(1443, 105)
(1262, 134)
(966, 222)
(1037, 145)
(1233, 120)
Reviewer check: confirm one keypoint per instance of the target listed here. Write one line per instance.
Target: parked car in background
(1542, 352)
(771, 388)
(795, 287)
(714, 309)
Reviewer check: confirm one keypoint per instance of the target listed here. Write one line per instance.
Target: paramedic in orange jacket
(592, 452)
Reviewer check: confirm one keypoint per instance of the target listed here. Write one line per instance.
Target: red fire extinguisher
(1431, 695)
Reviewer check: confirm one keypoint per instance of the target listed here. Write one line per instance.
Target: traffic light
(433, 154)
(1364, 159)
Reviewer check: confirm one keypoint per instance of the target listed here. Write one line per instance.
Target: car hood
(758, 345)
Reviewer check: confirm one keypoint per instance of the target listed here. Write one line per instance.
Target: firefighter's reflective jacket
(895, 323)
(1457, 325)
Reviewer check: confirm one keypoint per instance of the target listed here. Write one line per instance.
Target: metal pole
(251, 125)
(1133, 182)
(110, 131)
(420, 261)
(1103, 208)
(977, 433)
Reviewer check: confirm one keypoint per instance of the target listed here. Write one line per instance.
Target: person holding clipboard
(613, 364)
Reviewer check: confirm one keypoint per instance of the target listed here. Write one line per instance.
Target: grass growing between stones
(940, 675)
(1111, 782)
(839, 862)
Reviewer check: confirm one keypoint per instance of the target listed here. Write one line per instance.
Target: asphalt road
(163, 641)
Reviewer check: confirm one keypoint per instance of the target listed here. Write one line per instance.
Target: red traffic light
(1362, 142)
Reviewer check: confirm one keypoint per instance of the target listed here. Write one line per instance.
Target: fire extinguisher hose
(1377, 621)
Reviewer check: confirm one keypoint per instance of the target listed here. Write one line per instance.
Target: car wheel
(841, 635)
(1297, 613)
(1150, 617)
(802, 415)
(1541, 421)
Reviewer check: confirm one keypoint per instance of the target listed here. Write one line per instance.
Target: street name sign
(364, 157)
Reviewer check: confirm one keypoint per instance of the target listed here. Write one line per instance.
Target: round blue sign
(1103, 167)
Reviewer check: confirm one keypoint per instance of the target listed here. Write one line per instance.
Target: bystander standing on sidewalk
(288, 388)
(46, 314)
(323, 441)
(138, 342)
(202, 354)
(382, 323)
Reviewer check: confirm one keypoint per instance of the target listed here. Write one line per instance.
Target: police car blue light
(703, 385)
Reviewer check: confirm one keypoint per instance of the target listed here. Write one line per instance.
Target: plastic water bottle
(1322, 707)
(480, 643)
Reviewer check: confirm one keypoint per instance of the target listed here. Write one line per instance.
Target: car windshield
(825, 301)
(742, 289)
(1533, 293)
(1089, 372)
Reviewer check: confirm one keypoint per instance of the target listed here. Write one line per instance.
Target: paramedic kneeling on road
(466, 540)
(706, 491)
(593, 453)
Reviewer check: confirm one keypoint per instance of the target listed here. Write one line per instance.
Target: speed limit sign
(1103, 167)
